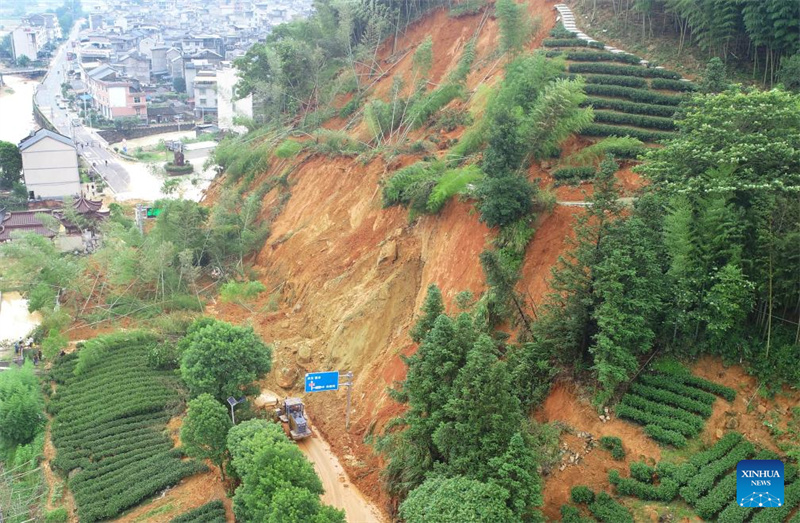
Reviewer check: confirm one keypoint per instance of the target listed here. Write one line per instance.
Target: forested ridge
(684, 245)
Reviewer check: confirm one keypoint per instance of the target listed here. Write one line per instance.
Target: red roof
(22, 221)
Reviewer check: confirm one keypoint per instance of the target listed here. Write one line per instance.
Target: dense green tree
(431, 309)
(505, 199)
(515, 28)
(480, 415)
(223, 360)
(10, 165)
(248, 436)
(515, 471)
(715, 78)
(567, 326)
(21, 406)
(444, 500)
(718, 130)
(789, 74)
(277, 480)
(179, 84)
(205, 429)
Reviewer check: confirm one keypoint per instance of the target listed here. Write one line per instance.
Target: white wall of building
(50, 169)
(117, 96)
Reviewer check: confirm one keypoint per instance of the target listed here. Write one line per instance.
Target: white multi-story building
(50, 165)
(205, 93)
(27, 40)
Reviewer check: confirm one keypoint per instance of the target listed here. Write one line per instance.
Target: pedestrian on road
(106, 162)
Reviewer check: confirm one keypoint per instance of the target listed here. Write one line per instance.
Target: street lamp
(233, 402)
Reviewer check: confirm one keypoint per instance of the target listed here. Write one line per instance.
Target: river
(16, 109)
(15, 320)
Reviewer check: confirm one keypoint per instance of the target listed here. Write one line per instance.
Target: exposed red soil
(547, 245)
(564, 405)
(749, 410)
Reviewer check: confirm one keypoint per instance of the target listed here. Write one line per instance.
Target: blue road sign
(319, 381)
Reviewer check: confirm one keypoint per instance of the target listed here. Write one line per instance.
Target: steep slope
(345, 277)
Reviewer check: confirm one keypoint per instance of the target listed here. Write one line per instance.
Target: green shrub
(717, 498)
(642, 471)
(630, 107)
(56, 515)
(452, 182)
(211, 512)
(613, 79)
(672, 85)
(288, 149)
(560, 32)
(667, 383)
(638, 120)
(618, 147)
(614, 445)
(647, 418)
(572, 514)
(708, 475)
(234, 291)
(178, 170)
(720, 449)
(461, 71)
(625, 70)
(601, 56)
(791, 500)
(402, 186)
(606, 509)
(581, 494)
(421, 111)
(614, 130)
(350, 107)
(656, 408)
(466, 8)
(569, 42)
(634, 95)
(505, 199)
(575, 173)
(708, 386)
(666, 490)
(335, 143)
(670, 398)
(735, 514)
(666, 436)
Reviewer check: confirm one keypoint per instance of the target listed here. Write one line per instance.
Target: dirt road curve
(339, 492)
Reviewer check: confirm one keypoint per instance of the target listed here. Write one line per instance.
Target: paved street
(93, 149)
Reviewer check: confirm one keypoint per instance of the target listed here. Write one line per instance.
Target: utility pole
(140, 219)
(349, 385)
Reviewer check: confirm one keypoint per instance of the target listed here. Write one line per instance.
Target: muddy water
(15, 320)
(16, 109)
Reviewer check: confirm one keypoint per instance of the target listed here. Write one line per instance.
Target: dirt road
(339, 492)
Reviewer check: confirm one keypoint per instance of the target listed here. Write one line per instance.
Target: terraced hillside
(707, 483)
(111, 411)
(629, 95)
(672, 406)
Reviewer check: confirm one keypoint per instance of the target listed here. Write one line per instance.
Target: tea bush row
(634, 400)
(630, 107)
(666, 382)
(615, 130)
(671, 398)
(211, 512)
(625, 70)
(633, 94)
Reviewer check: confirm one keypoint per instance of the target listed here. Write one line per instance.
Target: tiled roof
(40, 135)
